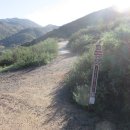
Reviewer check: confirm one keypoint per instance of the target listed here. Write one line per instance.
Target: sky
(56, 12)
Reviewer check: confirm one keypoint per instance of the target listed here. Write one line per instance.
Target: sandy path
(35, 99)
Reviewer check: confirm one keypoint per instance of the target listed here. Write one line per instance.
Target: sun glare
(122, 6)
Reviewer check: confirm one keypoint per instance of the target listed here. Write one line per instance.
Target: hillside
(56, 96)
(27, 35)
(11, 26)
(98, 17)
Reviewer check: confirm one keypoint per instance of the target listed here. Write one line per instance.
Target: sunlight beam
(122, 6)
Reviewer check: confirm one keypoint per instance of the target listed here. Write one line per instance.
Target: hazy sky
(56, 12)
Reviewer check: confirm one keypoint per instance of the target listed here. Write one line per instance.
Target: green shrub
(81, 95)
(6, 58)
(79, 79)
(38, 54)
(113, 92)
(81, 41)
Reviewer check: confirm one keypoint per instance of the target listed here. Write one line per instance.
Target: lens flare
(122, 6)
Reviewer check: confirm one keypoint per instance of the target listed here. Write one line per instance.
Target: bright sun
(122, 6)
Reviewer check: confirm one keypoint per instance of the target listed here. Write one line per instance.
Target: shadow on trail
(74, 117)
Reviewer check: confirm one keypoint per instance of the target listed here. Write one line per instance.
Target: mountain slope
(65, 31)
(14, 25)
(26, 35)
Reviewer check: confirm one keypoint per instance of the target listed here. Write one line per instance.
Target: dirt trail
(35, 99)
